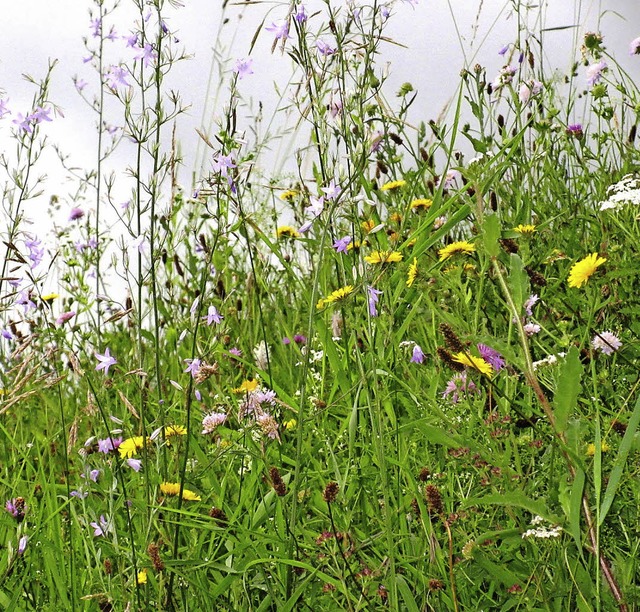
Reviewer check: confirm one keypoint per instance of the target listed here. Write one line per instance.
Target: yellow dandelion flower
(288, 195)
(368, 225)
(391, 185)
(583, 269)
(525, 230)
(247, 386)
(412, 242)
(383, 257)
(173, 489)
(412, 274)
(471, 361)
(393, 236)
(286, 231)
(50, 297)
(339, 294)
(591, 449)
(142, 576)
(354, 245)
(175, 430)
(336, 296)
(462, 246)
(131, 446)
(395, 217)
(289, 425)
(421, 204)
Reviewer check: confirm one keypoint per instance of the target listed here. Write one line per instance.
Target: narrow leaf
(566, 396)
(620, 462)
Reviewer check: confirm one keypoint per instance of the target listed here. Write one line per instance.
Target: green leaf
(566, 395)
(620, 462)
(407, 595)
(497, 572)
(518, 500)
(575, 507)
(518, 281)
(491, 227)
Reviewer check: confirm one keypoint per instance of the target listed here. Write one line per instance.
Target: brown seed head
(434, 500)
(447, 358)
(331, 492)
(219, 516)
(154, 555)
(451, 339)
(277, 483)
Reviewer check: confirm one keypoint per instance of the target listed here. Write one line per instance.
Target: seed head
(277, 483)
(331, 492)
(434, 500)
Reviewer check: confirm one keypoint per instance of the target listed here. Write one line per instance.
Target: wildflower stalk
(363, 594)
(99, 154)
(532, 380)
(169, 602)
(452, 579)
(20, 177)
(121, 480)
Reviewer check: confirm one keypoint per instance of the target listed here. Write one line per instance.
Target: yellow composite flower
(421, 204)
(391, 185)
(412, 274)
(142, 576)
(525, 230)
(383, 257)
(173, 489)
(290, 424)
(288, 195)
(395, 217)
(355, 245)
(471, 361)
(461, 246)
(286, 231)
(336, 296)
(50, 297)
(582, 270)
(131, 446)
(591, 448)
(247, 386)
(175, 430)
(368, 225)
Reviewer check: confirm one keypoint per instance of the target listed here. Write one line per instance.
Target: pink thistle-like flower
(606, 342)
(594, 72)
(458, 385)
(76, 213)
(212, 421)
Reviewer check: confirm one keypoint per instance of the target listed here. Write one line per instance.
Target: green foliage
(447, 424)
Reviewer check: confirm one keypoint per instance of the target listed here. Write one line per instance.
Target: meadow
(401, 374)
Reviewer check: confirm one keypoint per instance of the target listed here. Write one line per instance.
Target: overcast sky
(438, 41)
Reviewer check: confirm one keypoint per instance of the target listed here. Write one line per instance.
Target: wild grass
(401, 375)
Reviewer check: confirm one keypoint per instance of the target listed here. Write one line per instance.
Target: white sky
(437, 40)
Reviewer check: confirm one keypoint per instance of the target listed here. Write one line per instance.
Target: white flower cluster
(541, 531)
(549, 360)
(626, 191)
